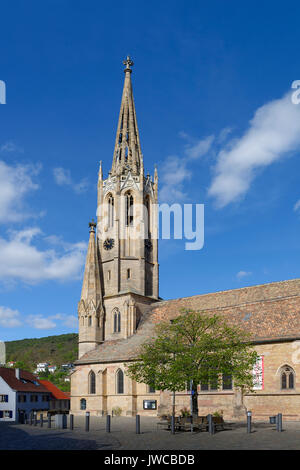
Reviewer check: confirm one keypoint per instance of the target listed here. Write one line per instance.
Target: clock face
(108, 243)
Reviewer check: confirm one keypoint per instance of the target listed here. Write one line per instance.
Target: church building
(120, 305)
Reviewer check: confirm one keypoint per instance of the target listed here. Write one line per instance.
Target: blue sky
(211, 86)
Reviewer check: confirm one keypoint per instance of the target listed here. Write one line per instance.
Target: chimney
(17, 373)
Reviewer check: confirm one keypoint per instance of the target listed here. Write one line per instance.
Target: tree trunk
(195, 400)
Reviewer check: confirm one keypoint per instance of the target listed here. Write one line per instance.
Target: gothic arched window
(120, 381)
(129, 209)
(111, 202)
(287, 378)
(92, 382)
(117, 321)
(147, 215)
(83, 404)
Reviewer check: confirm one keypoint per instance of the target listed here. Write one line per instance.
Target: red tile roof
(9, 376)
(268, 312)
(58, 394)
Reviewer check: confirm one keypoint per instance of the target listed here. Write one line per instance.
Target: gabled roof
(268, 312)
(9, 376)
(56, 392)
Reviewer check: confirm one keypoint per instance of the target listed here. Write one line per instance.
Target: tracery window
(92, 382)
(287, 378)
(111, 202)
(120, 381)
(129, 209)
(117, 321)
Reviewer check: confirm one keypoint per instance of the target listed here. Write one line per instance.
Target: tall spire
(91, 286)
(127, 152)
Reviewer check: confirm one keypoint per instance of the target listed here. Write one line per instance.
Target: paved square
(123, 437)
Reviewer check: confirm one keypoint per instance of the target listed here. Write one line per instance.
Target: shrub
(185, 412)
(218, 414)
(117, 411)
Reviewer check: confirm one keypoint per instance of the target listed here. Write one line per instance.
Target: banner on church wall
(258, 374)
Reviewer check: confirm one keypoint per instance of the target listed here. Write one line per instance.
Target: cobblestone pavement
(122, 436)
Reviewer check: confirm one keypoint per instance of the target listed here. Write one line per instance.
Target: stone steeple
(90, 307)
(127, 151)
(121, 272)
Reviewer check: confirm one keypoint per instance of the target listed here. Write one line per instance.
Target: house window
(151, 389)
(83, 404)
(6, 414)
(287, 378)
(128, 273)
(22, 398)
(90, 321)
(120, 381)
(3, 398)
(226, 382)
(92, 382)
(117, 321)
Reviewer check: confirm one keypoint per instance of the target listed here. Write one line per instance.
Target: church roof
(269, 312)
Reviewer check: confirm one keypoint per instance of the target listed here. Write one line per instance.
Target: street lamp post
(174, 398)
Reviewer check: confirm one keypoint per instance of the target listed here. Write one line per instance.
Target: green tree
(194, 347)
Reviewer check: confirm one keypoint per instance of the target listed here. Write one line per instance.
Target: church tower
(124, 256)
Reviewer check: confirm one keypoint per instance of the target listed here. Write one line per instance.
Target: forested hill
(56, 350)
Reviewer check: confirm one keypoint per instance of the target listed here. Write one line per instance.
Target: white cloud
(16, 181)
(297, 205)
(9, 318)
(39, 322)
(273, 133)
(63, 177)
(242, 274)
(21, 260)
(9, 147)
(199, 148)
(175, 171)
(70, 321)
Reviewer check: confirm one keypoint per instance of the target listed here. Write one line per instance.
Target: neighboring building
(60, 401)
(120, 305)
(42, 367)
(68, 366)
(20, 394)
(52, 369)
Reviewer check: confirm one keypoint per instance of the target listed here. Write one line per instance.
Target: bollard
(138, 424)
(49, 420)
(87, 421)
(249, 417)
(211, 424)
(173, 424)
(108, 423)
(279, 422)
(41, 420)
(72, 422)
(35, 419)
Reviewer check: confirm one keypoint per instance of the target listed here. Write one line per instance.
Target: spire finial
(128, 63)
(92, 226)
